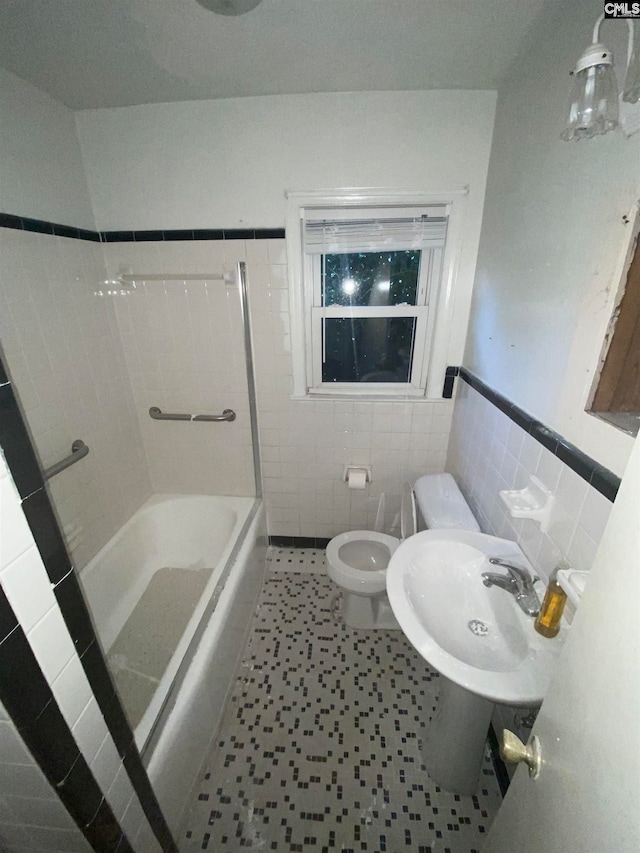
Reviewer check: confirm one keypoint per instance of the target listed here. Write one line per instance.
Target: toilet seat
(357, 560)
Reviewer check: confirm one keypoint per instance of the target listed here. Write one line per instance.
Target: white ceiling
(105, 53)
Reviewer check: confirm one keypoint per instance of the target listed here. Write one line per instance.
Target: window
(365, 293)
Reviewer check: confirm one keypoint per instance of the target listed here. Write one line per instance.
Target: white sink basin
(476, 636)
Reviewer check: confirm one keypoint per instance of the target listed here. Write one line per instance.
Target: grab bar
(78, 451)
(227, 415)
(158, 415)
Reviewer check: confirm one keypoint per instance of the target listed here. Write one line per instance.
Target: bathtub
(225, 534)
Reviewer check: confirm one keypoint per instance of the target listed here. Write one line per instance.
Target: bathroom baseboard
(298, 542)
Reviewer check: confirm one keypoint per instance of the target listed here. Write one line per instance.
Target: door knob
(514, 751)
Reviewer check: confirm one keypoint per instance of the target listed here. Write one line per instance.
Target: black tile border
(24, 690)
(42, 226)
(171, 235)
(449, 377)
(599, 477)
(29, 701)
(299, 542)
(499, 767)
(16, 443)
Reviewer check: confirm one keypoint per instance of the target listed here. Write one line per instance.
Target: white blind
(371, 230)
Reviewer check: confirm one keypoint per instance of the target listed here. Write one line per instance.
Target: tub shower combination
(172, 594)
(150, 587)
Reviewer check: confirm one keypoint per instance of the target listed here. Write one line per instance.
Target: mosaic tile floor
(319, 747)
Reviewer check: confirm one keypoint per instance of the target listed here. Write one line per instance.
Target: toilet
(357, 560)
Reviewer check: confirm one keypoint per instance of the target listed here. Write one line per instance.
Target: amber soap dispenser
(548, 620)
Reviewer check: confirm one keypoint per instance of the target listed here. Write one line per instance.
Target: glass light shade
(593, 102)
(229, 7)
(631, 91)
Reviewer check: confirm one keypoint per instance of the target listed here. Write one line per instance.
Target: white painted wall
(41, 172)
(552, 239)
(226, 163)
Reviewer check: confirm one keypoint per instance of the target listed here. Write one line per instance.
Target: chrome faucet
(519, 582)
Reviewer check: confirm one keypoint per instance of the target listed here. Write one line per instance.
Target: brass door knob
(514, 751)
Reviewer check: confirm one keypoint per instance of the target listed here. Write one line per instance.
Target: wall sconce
(594, 106)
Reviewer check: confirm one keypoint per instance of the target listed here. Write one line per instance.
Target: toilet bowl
(357, 560)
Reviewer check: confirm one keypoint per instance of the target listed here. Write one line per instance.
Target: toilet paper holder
(353, 468)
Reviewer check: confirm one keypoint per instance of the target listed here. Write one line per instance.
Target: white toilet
(357, 561)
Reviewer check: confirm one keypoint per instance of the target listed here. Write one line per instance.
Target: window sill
(370, 398)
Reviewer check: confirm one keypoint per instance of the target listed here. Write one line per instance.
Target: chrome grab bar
(78, 451)
(227, 415)
(158, 415)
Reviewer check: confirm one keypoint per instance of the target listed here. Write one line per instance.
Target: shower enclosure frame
(152, 739)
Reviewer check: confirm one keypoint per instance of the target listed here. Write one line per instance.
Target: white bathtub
(180, 531)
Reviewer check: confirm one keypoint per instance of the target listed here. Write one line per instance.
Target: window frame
(430, 361)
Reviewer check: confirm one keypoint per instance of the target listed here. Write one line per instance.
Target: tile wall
(62, 345)
(488, 452)
(305, 444)
(31, 815)
(184, 349)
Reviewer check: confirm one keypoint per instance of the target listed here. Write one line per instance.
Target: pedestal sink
(477, 637)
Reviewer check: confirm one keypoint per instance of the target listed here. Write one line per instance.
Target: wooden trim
(618, 388)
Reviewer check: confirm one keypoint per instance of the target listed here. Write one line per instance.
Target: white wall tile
(72, 691)
(305, 444)
(63, 348)
(133, 818)
(480, 440)
(120, 791)
(15, 536)
(24, 780)
(12, 748)
(189, 334)
(106, 763)
(90, 730)
(51, 644)
(28, 588)
(32, 811)
(31, 815)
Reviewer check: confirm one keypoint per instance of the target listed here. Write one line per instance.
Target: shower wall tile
(30, 809)
(61, 342)
(184, 348)
(306, 444)
(488, 453)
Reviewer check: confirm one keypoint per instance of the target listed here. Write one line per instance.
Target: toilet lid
(408, 522)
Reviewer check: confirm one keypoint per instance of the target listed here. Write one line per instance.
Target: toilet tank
(441, 503)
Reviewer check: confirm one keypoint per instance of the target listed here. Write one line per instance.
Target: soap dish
(573, 583)
(535, 502)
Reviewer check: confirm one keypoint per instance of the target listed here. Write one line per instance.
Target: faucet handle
(521, 575)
